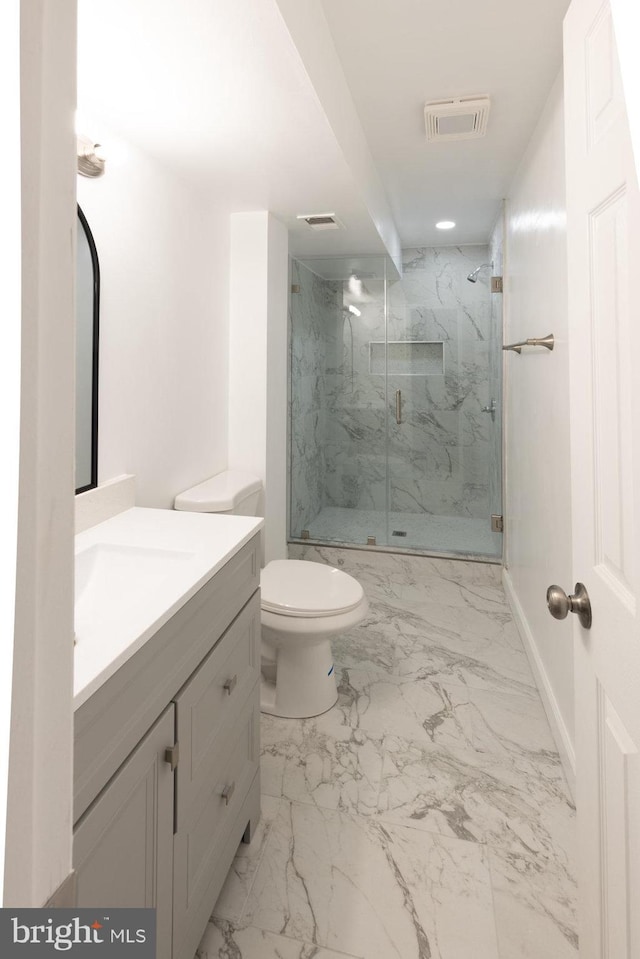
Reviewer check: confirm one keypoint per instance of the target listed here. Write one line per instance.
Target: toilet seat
(292, 587)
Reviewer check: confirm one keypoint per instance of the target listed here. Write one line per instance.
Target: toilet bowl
(303, 605)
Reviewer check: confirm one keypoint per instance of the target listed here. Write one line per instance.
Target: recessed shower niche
(407, 358)
(392, 382)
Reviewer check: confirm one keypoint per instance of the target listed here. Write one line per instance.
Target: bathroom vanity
(166, 736)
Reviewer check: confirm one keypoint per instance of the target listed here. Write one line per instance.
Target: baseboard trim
(549, 701)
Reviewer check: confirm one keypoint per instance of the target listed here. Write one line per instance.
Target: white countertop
(133, 572)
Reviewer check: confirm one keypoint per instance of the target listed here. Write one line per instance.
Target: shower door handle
(398, 406)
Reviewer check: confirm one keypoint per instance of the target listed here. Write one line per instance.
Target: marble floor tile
(447, 714)
(222, 940)
(474, 590)
(384, 573)
(413, 634)
(510, 724)
(322, 762)
(473, 617)
(372, 643)
(396, 572)
(534, 903)
(481, 607)
(233, 895)
(427, 631)
(376, 703)
(461, 572)
(519, 805)
(368, 888)
(483, 666)
(425, 816)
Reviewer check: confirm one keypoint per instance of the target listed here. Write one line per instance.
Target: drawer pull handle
(172, 756)
(231, 684)
(228, 792)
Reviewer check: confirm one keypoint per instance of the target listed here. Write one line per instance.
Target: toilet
(303, 605)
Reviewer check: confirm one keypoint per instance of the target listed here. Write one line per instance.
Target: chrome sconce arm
(546, 341)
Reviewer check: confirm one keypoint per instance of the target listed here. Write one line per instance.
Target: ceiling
(396, 54)
(217, 92)
(214, 90)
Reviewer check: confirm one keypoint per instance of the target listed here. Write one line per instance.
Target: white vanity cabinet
(166, 778)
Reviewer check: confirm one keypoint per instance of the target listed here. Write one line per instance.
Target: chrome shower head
(473, 277)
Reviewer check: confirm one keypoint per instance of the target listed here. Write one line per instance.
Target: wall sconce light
(90, 159)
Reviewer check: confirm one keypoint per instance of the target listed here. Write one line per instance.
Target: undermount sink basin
(113, 579)
(133, 572)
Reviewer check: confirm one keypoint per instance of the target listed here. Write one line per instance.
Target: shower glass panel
(440, 451)
(395, 402)
(338, 429)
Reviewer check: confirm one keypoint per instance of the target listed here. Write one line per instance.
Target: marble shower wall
(443, 468)
(347, 448)
(438, 456)
(357, 408)
(313, 315)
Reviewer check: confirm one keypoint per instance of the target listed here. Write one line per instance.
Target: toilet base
(305, 682)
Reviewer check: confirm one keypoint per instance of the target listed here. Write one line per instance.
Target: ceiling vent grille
(321, 221)
(458, 118)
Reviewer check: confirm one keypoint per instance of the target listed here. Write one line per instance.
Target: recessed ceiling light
(445, 225)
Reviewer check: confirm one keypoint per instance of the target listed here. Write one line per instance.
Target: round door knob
(560, 604)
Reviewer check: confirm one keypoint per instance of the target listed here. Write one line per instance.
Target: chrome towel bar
(546, 341)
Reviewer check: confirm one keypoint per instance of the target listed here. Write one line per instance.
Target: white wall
(538, 503)
(163, 322)
(38, 844)
(258, 364)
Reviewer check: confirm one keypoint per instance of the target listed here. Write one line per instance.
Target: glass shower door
(443, 402)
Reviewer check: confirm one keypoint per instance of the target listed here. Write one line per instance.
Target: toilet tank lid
(219, 493)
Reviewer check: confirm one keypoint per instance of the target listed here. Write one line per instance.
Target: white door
(603, 228)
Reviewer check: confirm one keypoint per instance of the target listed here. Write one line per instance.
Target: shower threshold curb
(406, 551)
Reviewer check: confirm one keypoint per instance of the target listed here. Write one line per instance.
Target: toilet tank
(233, 492)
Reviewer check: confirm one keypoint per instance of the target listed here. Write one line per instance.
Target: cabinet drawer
(210, 704)
(198, 843)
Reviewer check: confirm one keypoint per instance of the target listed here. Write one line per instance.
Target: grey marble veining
(427, 814)
(362, 886)
(223, 940)
(534, 910)
(342, 767)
